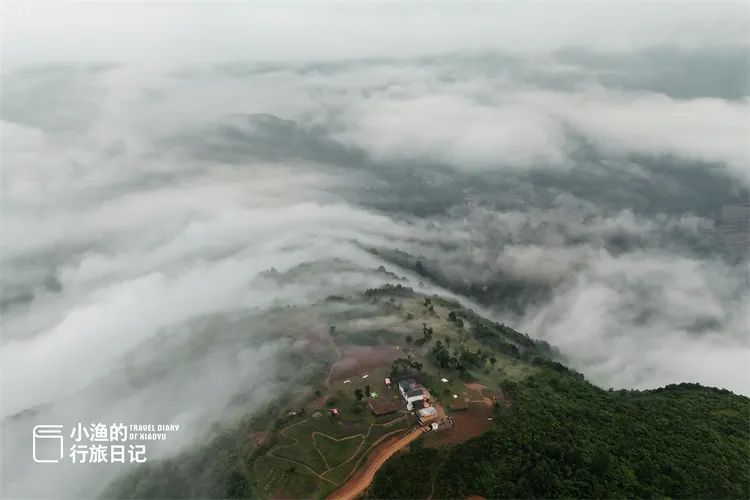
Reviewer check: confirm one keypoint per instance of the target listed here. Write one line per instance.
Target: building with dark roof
(411, 391)
(382, 406)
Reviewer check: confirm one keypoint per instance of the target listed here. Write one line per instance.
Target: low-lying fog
(593, 199)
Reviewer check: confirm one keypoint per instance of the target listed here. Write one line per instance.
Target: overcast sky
(187, 32)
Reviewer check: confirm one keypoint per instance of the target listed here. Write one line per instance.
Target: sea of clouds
(140, 195)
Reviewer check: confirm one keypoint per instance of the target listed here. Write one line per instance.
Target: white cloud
(113, 230)
(711, 130)
(629, 321)
(271, 32)
(525, 128)
(453, 129)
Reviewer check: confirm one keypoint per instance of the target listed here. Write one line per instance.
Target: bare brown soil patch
(493, 395)
(475, 390)
(468, 423)
(356, 360)
(257, 438)
(489, 396)
(382, 406)
(458, 405)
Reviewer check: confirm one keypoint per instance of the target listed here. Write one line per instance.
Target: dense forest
(563, 437)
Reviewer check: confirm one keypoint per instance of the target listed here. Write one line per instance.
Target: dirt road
(361, 479)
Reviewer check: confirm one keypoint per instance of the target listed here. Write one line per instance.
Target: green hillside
(549, 433)
(564, 437)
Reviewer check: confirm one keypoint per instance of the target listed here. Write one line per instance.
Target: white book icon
(45, 450)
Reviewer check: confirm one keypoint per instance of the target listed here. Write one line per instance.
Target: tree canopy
(563, 437)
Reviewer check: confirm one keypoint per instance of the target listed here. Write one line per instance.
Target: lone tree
(358, 394)
(426, 332)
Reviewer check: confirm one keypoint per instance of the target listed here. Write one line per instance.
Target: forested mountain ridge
(546, 432)
(564, 437)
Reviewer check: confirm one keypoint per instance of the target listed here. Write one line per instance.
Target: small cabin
(427, 414)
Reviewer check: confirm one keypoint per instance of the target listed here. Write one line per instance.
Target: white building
(411, 391)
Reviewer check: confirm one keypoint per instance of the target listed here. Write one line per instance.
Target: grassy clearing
(303, 430)
(341, 441)
(282, 465)
(378, 431)
(270, 472)
(343, 394)
(341, 473)
(334, 447)
(336, 452)
(387, 420)
(302, 453)
(273, 473)
(371, 337)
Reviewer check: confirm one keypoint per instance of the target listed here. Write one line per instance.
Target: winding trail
(375, 456)
(362, 478)
(328, 467)
(289, 459)
(345, 438)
